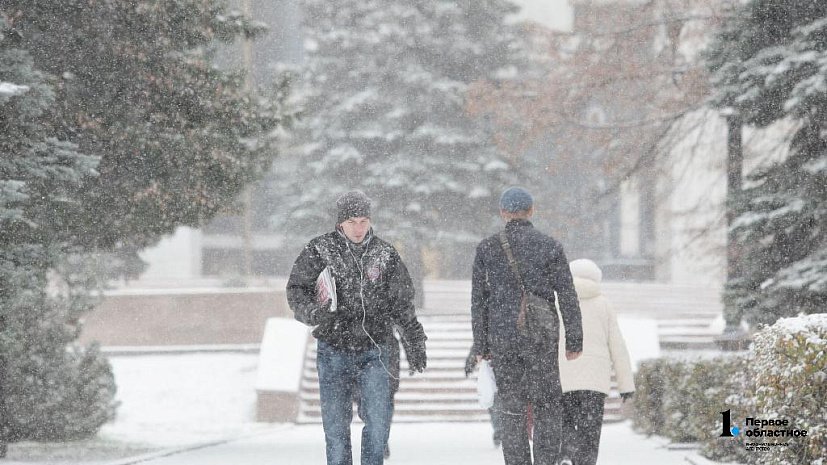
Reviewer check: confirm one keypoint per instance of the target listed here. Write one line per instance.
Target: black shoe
(387, 451)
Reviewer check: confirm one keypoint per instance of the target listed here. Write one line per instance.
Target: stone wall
(164, 317)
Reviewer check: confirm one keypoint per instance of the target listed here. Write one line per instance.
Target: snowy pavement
(411, 444)
(189, 405)
(198, 409)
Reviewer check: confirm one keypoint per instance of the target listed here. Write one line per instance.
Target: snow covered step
(451, 371)
(406, 418)
(413, 396)
(422, 407)
(434, 352)
(449, 337)
(688, 320)
(458, 325)
(438, 396)
(686, 331)
(434, 363)
(695, 332)
(442, 393)
(684, 321)
(443, 364)
(467, 416)
(429, 375)
(463, 315)
(684, 343)
(446, 379)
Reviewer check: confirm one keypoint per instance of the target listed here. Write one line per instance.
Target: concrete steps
(442, 393)
(687, 316)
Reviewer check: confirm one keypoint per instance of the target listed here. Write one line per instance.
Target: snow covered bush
(677, 402)
(790, 375)
(649, 382)
(682, 400)
(61, 398)
(50, 388)
(730, 388)
(707, 387)
(782, 378)
(81, 177)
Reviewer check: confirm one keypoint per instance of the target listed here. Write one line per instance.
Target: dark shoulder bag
(537, 319)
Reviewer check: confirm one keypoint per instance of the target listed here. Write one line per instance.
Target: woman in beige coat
(586, 381)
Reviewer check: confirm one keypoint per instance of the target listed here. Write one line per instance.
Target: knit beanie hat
(352, 204)
(586, 269)
(516, 199)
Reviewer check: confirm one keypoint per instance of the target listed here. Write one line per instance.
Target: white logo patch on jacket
(374, 273)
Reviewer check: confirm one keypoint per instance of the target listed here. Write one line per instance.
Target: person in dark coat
(374, 293)
(526, 371)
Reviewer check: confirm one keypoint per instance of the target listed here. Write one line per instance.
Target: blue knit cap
(516, 199)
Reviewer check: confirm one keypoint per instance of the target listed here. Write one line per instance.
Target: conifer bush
(682, 400)
(782, 377)
(649, 384)
(116, 127)
(790, 374)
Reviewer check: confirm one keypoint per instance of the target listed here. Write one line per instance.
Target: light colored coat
(603, 344)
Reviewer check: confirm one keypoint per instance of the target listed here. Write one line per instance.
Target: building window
(629, 218)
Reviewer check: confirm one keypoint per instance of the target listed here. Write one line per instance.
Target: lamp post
(735, 161)
(247, 194)
(734, 336)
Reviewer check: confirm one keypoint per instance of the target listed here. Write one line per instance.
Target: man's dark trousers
(530, 375)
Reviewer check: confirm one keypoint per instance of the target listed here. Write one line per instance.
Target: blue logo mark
(735, 430)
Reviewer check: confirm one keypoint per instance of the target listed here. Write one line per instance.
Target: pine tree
(770, 64)
(136, 83)
(385, 112)
(118, 127)
(46, 391)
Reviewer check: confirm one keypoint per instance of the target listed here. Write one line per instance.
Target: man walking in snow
(374, 293)
(515, 277)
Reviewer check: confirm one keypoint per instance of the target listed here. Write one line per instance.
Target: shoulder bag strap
(513, 263)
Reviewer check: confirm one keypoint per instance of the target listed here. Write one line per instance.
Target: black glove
(470, 364)
(323, 313)
(417, 360)
(627, 395)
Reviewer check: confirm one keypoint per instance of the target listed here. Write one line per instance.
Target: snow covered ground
(412, 444)
(184, 399)
(198, 409)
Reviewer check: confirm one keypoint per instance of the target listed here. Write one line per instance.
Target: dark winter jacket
(496, 294)
(373, 289)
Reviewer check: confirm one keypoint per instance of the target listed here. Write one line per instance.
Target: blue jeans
(340, 372)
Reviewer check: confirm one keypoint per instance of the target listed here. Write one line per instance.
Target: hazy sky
(555, 14)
